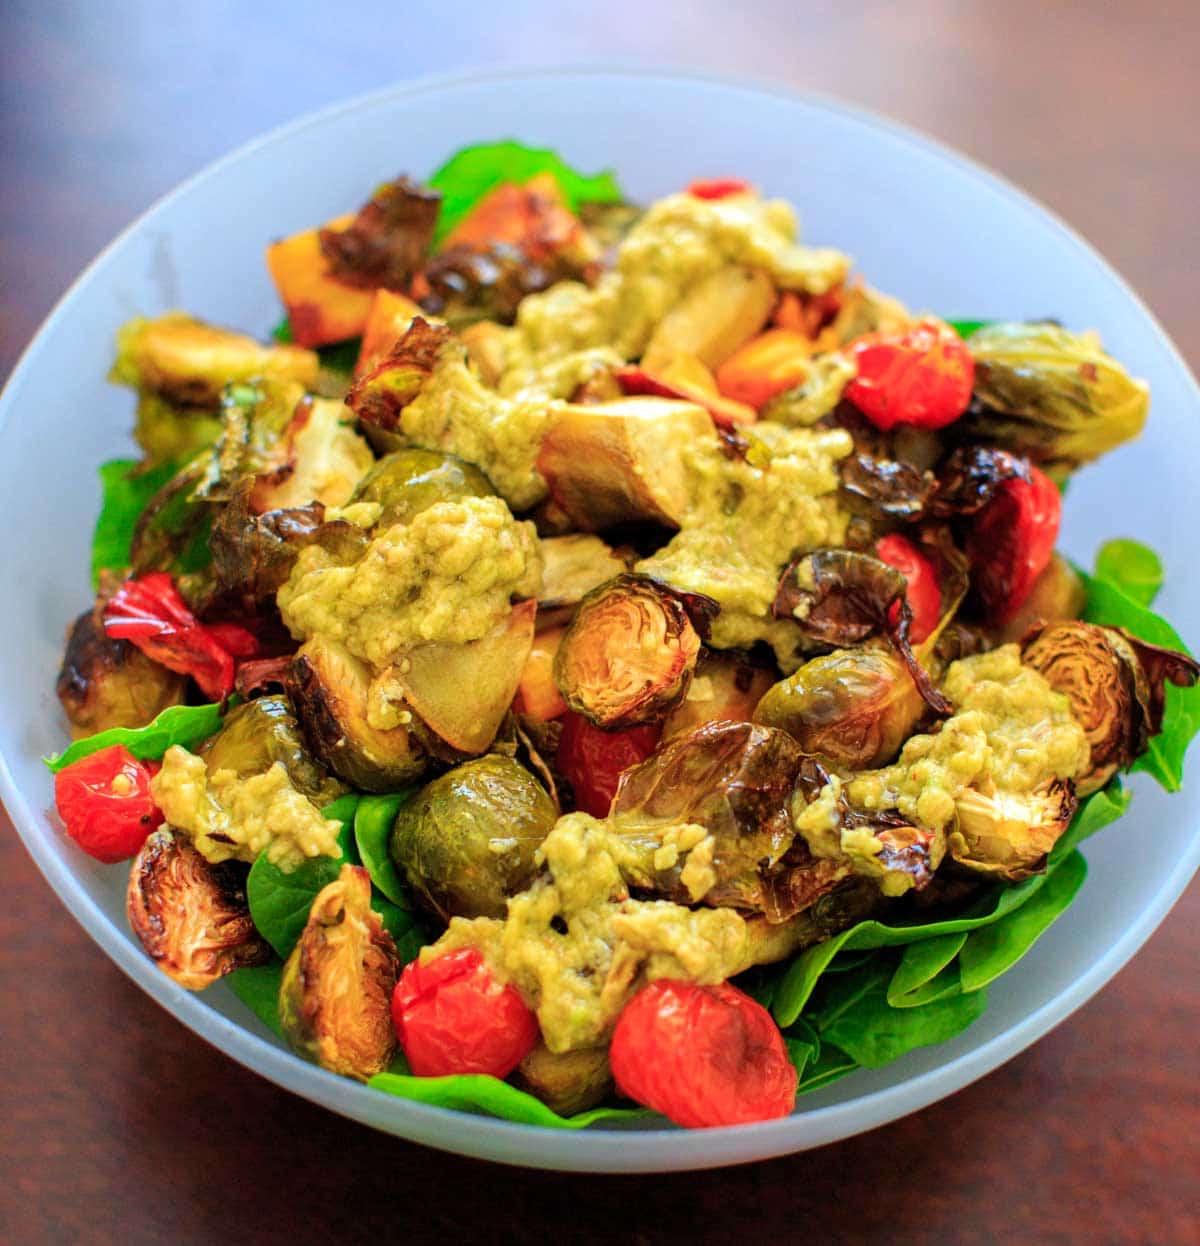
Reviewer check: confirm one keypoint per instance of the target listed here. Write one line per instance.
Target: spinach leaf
(827, 1067)
(403, 925)
(1108, 605)
(186, 725)
(477, 1092)
(279, 902)
(1133, 568)
(125, 492)
(372, 831)
(470, 173)
(803, 1045)
(1094, 813)
(258, 989)
(921, 964)
(989, 952)
(964, 328)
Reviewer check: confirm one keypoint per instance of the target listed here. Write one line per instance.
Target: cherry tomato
(921, 375)
(718, 187)
(452, 1016)
(702, 1055)
(591, 760)
(105, 803)
(923, 594)
(1011, 541)
(150, 612)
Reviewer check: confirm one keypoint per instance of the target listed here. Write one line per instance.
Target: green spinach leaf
(186, 725)
(964, 328)
(920, 964)
(1133, 568)
(125, 491)
(826, 1068)
(258, 989)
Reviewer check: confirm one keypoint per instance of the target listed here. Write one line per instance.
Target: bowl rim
(596, 1149)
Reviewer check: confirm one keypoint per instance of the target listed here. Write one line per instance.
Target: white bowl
(923, 223)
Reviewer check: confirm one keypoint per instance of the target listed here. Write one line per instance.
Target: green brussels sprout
(1052, 395)
(256, 735)
(107, 683)
(335, 996)
(466, 841)
(408, 481)
(169, 433)
(566, 1081)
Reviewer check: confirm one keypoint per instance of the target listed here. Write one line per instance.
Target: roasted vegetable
(1116, 686)
(381, 394)
(566, 1081)
(407, 481)
(468, 284)
(1006, 835)
(853, 708)
(110, 683)
(336, 993)
(387, 240)
(629, 653)
(191, 917)
(466, 841)
(190, 362)
(330, 689)
(726, 688)
(572, 566)
(389, 319)
(538, 697)
(1052, 395)
(257, 734)
(1057, 596)
(171, 432)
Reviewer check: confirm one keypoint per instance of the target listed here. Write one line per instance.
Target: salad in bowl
(600, 658)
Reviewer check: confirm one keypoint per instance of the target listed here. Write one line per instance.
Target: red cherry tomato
(452, 1016)
(702, 1055)
(921, 375)
(105, 803)
(150, 612)
(1011, 542)
(718, 187)
(591, 760)
(923, 594)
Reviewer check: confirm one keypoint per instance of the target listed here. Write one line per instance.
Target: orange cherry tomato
(105, 803)
(923, 594)
(921, 376)
(452, 1016)
(1011, 541)
(592, 760)
(702, 1055)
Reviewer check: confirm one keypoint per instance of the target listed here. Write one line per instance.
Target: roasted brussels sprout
(853, 708)
(388, 238)
(466, 841)
(259, 733)
(168, 432)
(629, 653)
(1007, 835)
(407, 481)
(1115, 684)
(380, 395)
(329, 687)
(566, 1081)
(191, 917)
(1051, 394)
(110, 683)
(336, 994)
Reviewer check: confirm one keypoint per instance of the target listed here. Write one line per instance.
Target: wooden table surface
(116, 1123)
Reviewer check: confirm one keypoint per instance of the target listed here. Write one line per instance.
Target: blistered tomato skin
(923, 594)
(591, 760)
(920, 376)
(452, 1016)
(718, 187)
(702, 1055)
(105, 803)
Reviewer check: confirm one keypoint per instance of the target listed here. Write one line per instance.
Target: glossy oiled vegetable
(566, 1081)
(1007, 835)
(466, 841)
(628, 654)
(407, 481)
(191, 917)
(335, 997)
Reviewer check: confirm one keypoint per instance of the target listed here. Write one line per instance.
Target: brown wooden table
(116, 1124)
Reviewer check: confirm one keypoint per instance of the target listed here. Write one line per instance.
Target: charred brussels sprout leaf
(468, 285)
(968, 479)
(628, 656)
(379, 396)
(466, 841)
(1053, 395)
(335, 997)
(191, 917)
(105, 683)
(406, 482)
(388, 239)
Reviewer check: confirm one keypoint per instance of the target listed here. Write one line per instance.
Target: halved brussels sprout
(105, 683)
(628, 655)
(1115, 684)
(853, 707)
(466, 841)
(566, 1081)
(329, 687)
(256, 735)
(1008, 835)
(407, 481)
(191, 917)
(1053, 395)
(336, 994)
(169, 432)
